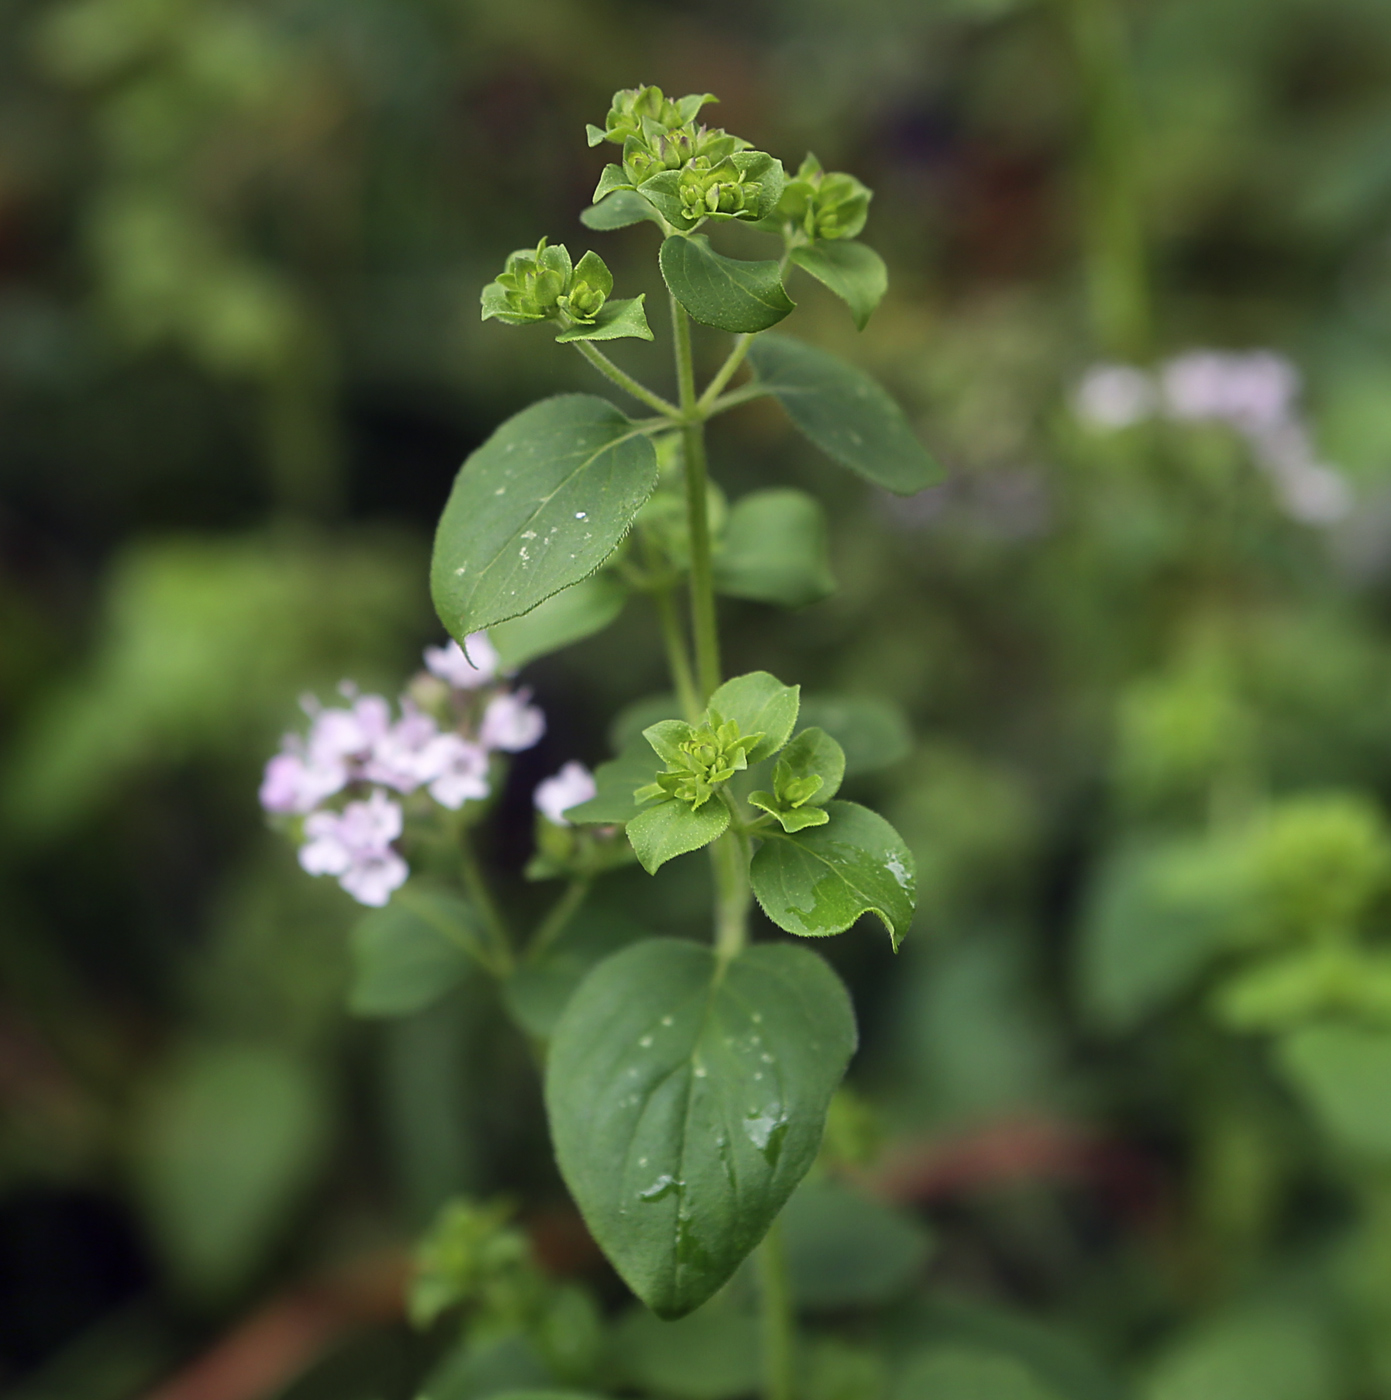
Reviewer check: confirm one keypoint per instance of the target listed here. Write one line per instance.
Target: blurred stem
(677, 660)
(778, 1322)
(625, 381)
(558, 919)
(725, 372)
(1117, 274)
(477, 885)
(703, 624)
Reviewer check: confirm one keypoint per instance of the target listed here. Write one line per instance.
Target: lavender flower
(355, 845)
(555, 795)
(469, 672)
(510, 723)
(1115, 396)
(458, 771)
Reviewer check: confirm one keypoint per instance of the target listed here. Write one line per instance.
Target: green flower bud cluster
(825, 204)
(542, 284)
(698, 759)
(717, 189)
(634, 106)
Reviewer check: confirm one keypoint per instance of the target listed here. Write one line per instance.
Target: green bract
(824, 204)
(632, 105)
(542, 284)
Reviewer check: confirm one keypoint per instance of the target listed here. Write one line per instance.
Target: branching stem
(625, 381)
(557, 919)
(477, 885)
(725, 373)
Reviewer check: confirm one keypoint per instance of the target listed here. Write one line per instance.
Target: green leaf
(412, 952)
(714, 1353)
(845, 413)
(618, 210)
(822, 880)
(537, 508)
(687, 1099)
(569, 616)
(225, 1144)
(1343, 1072)
(633, 718)
(615, 320)
(773, 550)
(791, 819)
(727, 293)
(613, 179)
(845, 1250)
(668, 829)
(873, 732)
(856, 274)
(813, 754)
(761, 704)
(661, 191)
(481, 1369)
(616, 781)
(964, 1373)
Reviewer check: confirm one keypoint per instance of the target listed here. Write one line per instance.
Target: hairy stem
(477, 885)
(703, 625)
(725, 372)
(778, 1322)
(729, 858)
(558, 918)
(625, 381)
(677, 660)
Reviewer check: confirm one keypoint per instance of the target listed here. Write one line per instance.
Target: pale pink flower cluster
(362, 746)
(1256, 393)
(554, 796)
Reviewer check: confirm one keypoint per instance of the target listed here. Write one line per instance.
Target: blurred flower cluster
(1255, 392)
(453, 716)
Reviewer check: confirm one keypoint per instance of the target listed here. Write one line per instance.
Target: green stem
(557, 919)
(677, 660)
(477, 885)
(725, 372)
(779, 1325)
(625, 381)
(1114, 230)
(735, 397)
(703, 625)
(729, 858)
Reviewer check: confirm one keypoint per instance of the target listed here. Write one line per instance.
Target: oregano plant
(687, 1084)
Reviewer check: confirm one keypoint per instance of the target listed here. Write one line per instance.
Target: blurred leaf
(773, 550)
(409, 954)
(1266, 1353)
(823, 879)
(1156, 916)
(616, 781)
(536, 993)
(1343, 1072)
(845, 413)
(855, 273)
(687, 1099)
(844, 1250)
(537, 508)
(627, 725)
(569, 616)
(205, 642)
(225, 1145)
(832, 1369)
(714, 1353)
(959, 1373)
(727, 293)
(871, 730)
(479, 1371)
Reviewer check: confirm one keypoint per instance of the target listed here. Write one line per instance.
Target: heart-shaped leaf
(727, 293)
(844, 412)
(538, 507)
(856, 274)
(687, 1099)
(577, 612)
(821, 880)
(773, 550)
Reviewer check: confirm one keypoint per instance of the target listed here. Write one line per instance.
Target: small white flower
(1115, 396)
(338, 736)
(557, 794)
(399, 757)
(457, 771)
(291, 784)
(1254, 391)
(510, 723)
(464, 672)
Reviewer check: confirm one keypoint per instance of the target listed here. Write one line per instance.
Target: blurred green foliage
(1134, 1062)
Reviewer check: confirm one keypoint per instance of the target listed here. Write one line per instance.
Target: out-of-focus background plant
(1127, 1089)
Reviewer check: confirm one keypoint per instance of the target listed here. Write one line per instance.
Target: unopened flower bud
(543, 285)
(825, 204)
